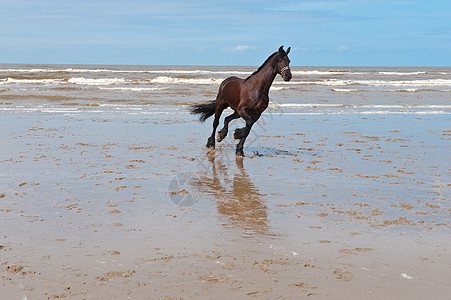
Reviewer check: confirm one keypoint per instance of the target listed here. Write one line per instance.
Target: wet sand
(123, 206)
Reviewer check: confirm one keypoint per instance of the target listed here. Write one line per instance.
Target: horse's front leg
(242, 133)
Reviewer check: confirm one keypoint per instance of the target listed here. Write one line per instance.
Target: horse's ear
(281, 50)
(288, 50)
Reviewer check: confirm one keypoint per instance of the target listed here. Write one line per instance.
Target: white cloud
(238, 48)
(342, 48)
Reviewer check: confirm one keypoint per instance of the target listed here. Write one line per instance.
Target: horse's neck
(265, 77)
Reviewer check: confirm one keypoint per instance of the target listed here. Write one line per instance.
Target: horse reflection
(239, 202)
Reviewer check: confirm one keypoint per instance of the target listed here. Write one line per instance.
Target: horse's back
(231, 80)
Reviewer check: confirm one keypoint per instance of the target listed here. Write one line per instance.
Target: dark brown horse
(247, 97)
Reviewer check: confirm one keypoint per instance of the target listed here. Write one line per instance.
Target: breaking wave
(96, 81)
(175, 80)
(375, 83)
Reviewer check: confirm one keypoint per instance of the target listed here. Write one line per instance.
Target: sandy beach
(117, 206)
(108, 190)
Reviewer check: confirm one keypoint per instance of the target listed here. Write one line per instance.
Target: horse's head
(283, 64)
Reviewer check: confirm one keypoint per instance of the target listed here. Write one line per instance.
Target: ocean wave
(407, 83)
(413, 90)
(338, 85)
(342, 105)
(84, 70)
(95, 81)
(29, 70)
(343, 90)
(68, 70)
(305, 105)
(30, 81)
(175, 80)
(35, 96)
(77, 70)
(135, 89)
(96, 109)
(197, 72)
(403, 73)
(162, 71)
(74, 80)
(406, 90)
(279, 88)
(371, 112)
(374, 83)
(330, 72)
(326, 82)
(412, 73)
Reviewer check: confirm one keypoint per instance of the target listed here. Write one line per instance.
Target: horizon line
(223, 65)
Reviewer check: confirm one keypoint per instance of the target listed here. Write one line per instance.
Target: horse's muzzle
(287, 76)
(286, 73)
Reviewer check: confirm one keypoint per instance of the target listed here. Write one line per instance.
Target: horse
(247, 97)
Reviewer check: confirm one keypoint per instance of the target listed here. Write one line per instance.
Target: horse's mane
(263, 65)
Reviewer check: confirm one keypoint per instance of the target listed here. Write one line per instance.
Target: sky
(229, 32)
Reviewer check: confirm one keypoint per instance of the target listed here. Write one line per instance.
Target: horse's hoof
(220, 137)
(240, 153)
(238, 134)
(211, 143)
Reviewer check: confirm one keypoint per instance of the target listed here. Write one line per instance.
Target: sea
(120, 89)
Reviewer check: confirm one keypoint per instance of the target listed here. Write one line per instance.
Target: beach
(107, 190)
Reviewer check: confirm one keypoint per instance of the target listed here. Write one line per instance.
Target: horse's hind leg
(223, 132)
(219, 108)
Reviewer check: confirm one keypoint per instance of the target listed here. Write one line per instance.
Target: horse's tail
(205, 110)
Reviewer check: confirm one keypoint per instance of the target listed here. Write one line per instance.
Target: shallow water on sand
(118, 204)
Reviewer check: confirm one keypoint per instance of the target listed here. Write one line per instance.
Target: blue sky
(211, 32)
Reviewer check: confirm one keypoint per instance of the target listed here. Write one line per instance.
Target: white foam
(299, 109)
(402, 73)
(95, 81)
(339, 105)
(163, 71)
(327, 82)
(29, 70)
(76, 70)
(343, 90)
(407, 83)
(68, 70)
(405, 90)
(330, 72)
(30, 81)
(372, 112)
(166, 79)
(298, 105)
(197, 72)
(274, 88)
(375, 83)
(135, 89)
(405, 276)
